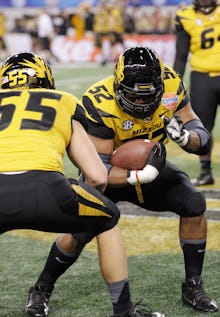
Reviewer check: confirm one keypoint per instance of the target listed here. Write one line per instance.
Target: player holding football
(34, 193)
(197, 33)
(144, 99)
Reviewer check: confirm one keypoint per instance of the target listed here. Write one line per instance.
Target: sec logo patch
(128, 125)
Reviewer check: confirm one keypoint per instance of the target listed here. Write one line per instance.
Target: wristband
(132, 177)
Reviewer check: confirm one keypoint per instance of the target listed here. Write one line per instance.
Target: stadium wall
(69, 50)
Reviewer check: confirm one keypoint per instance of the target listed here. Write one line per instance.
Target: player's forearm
(117, 177)
(192, 136)
(194, 142)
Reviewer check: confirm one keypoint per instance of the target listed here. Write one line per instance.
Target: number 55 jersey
(36, 124)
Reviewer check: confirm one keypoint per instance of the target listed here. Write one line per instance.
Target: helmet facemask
(25, 70)
(205, 6)
(139, 82)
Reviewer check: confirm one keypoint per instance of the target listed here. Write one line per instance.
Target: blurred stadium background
(78, 23)
(155, 259)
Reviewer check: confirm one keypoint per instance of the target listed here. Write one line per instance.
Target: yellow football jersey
(204, 32)
(108, 121)
(100, 24)
(35, 128)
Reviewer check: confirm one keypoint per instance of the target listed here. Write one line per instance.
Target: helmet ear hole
(138, 81)
(26, 70)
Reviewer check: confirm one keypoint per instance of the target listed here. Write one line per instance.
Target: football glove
(154, 164)
(175, 131)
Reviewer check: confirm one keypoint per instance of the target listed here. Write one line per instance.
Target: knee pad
(107, 223)
(100, 225)
(102, 212)
(195, 204)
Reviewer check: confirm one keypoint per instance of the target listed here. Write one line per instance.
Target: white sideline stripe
(160, 217)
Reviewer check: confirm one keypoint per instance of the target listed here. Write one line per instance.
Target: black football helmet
(25, 70)
(205, 6)
(138, 81)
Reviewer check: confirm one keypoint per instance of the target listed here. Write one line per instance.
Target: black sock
(57, 263)
(120, 296)
(205, 166)
(194, 252)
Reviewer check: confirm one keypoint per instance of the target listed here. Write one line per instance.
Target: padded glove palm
(175, 131)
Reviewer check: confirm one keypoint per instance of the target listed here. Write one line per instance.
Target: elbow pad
(205, 137)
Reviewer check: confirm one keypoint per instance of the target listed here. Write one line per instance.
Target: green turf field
(155, 260)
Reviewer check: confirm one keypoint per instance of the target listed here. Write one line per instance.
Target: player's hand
(155, 163)
(175, 131)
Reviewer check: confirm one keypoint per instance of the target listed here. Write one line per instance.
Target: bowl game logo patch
(170, 100)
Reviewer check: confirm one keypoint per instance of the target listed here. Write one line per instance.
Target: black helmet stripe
(26, 70)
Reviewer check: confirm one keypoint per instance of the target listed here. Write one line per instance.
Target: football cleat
(135, 312)
(38, 300)
(203, 179)
(194, 296)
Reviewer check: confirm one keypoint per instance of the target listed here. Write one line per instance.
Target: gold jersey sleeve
(204, 32)
(108, 121)
(35, 128)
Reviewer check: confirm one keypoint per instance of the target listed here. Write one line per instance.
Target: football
(133, 154)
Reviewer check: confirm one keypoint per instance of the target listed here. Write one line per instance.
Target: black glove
(157, 156)
(154, 164)
(175, 131)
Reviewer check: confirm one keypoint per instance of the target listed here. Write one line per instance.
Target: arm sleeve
(204, 135)
(182, 50)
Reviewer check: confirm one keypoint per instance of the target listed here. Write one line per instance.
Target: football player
(37, 125)
(197, 33)
(145, 99)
